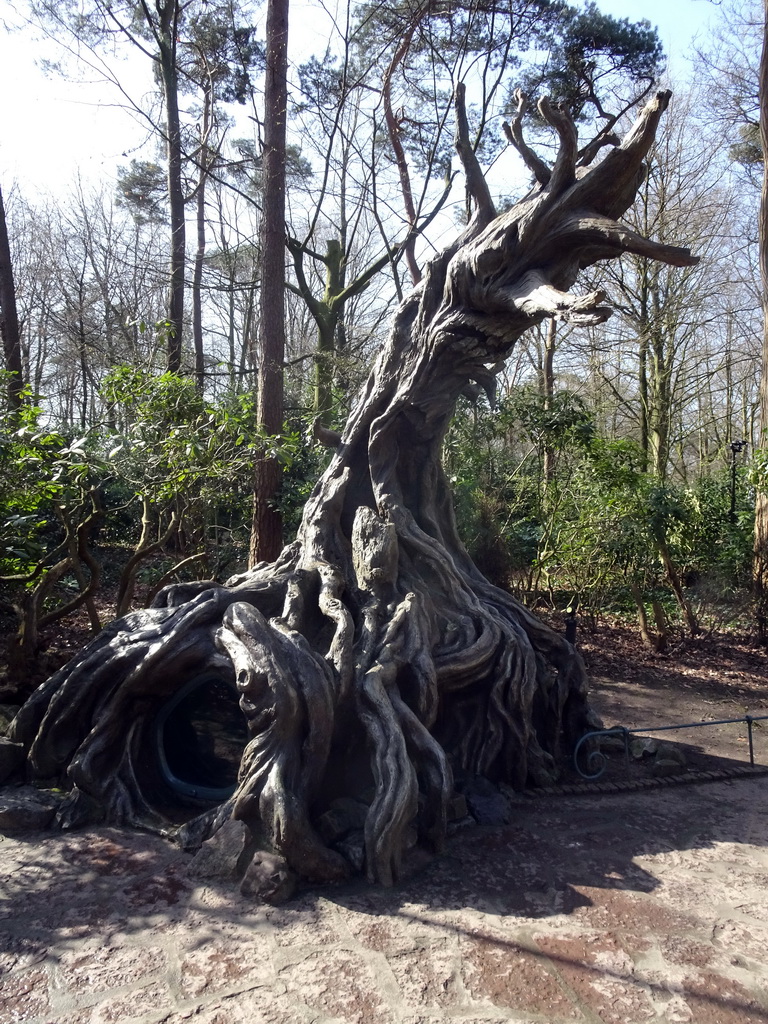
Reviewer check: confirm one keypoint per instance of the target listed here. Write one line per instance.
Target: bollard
(570, 627)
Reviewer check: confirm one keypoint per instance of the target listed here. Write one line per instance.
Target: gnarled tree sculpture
(372, 659)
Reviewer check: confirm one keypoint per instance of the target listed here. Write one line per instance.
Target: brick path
(618, 909)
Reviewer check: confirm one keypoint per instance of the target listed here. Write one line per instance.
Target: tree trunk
(169, 14)
(660, 393)
(328, 313)
(197, 273)
(326, 333)
(394, 130)
(548, 392)
(9, 320)
(372, 659)
(760, 560)
(267, 524)
(676, 584)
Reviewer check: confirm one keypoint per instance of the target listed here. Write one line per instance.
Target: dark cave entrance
(199, 737)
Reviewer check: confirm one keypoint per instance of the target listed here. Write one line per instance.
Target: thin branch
(514, 133)
(588, 153)
(477, 186)
(159, 584)
(393, 129)
(564, 171)
(606, 136)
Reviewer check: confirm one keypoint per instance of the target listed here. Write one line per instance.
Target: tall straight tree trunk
(760, 563)
(394, 130)
(267, 524)
(548, 393)
(326, 334)
(169, 14)
(9, 319)
(82, 347)
(659, 419)
(197, 275)
(642, 383)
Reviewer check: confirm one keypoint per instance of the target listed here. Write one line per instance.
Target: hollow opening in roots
(348, 773)
(198, 740)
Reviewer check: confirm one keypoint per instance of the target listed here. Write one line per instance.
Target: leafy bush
(594, 527)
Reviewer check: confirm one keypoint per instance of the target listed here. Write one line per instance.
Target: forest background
(615, 468)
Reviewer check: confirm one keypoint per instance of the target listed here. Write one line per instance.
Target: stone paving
(620, 909)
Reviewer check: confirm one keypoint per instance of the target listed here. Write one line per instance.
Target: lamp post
(736, 448)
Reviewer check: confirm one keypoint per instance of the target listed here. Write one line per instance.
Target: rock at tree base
(7, 714)
(221, 856)
(345, 815)
(26, 809)
(670, 752)
(269, 878)
(487, 805)
(11, 757)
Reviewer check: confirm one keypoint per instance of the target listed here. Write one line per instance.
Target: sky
(677, 22)
(52, 130)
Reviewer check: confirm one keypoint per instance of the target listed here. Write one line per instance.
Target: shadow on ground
(624, 908)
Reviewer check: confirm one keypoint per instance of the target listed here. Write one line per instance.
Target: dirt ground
(711, 678)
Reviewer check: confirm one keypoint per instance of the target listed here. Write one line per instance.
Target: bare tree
(184, 43)
(668, 312)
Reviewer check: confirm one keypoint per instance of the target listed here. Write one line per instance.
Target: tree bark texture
(267, 524)
(760, 559)
(205, 161)
(9, 319)
(169, 13)
(372, 659)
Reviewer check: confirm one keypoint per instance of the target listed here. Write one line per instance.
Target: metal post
(748, 720)
(571, 623)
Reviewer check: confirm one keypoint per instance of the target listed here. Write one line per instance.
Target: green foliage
(596, 530)
(185, 455)
(142, 189)
(608, 533)
(494, 502)
(719, 545)
(590, 52)
(218, 50)
(299, 478)
(757, 472)
(44, 475)
(748, 151)
(559, 422)
(176, 458)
